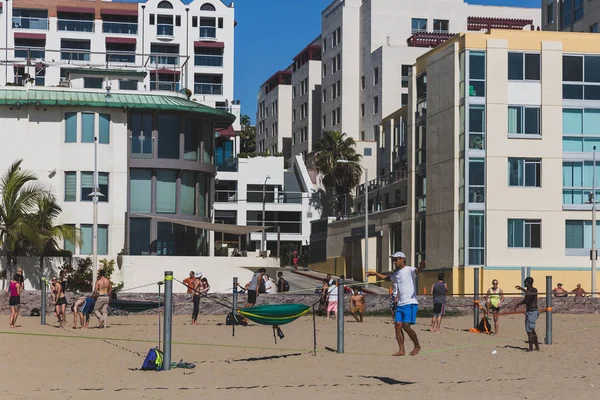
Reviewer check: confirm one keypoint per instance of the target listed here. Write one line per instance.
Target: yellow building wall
(335, 266)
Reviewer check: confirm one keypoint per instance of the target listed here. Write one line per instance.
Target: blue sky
(271, 32)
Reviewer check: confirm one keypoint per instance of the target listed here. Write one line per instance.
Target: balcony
(30, 23)
(125, 28)
(208, 60)
(228, 165)
(208, 88)
(73, 25)
(226, 196)
(485, 23)
(168, 86)
(383, 181)
(121, 57)
(74, 55)
(164, 30)
(30, 52)
(428, 39)
(164, 60)
(208, 32)
(279, 197)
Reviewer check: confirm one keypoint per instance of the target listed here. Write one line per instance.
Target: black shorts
(61, 301)
(494, 309)
(438, 309)
(251, 296)
(14, 301)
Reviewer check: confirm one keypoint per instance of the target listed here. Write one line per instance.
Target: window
(92, 82)
(362, 82)
(324, 96)
(194, 22)
(165, 4)
(324, 122)
(404, 99)
(583, 70)
(549, 12)
(337, 37)
(126, 84)
(362, 110)
(419, 25)
(523, 66)
(104, 128)
(88, 125)
(166, 186)
(476, 180)
(207, 7)
(188, 192)
(477, 74)
(405, 73)
(70, 127)
(324, 70)
(87, 239)
(303, 87)
(220, 22)
(439, 25)
(178, 20)
(324, 45)
(524, 120)
(77, 50)
(140, 190)
(578, 234)
(71, 186)
(525, 172)
(336, 90)
(336, 63)
(168, 136)
(525, 233)
(67, 244)
(368, 152)
(477, 127)
(581, 129)
(375, 104)
(376, 76)
(578, 179)
(476, 238)
(87, 186)
(151, 19)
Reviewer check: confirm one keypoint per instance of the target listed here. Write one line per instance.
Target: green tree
(338, 179)
(50, 233)
(247, 135)
(19, 194)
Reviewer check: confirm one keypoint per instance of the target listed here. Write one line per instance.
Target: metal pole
(476, 298)
(593, 253)
(548, 309)
(235, 296)
(340, 317)
(43, 305)
(95, 226)
(366, 278)
(278, 241)
(168, 320)
(264, 234)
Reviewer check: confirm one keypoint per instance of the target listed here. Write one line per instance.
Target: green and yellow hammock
(275, 314)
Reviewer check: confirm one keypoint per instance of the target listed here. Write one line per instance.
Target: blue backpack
(153, 361)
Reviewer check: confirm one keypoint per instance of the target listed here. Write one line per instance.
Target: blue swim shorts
(406, 313)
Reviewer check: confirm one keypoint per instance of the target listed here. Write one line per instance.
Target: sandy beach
(52, 363)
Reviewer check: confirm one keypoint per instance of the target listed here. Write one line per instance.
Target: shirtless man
(357, 305)
(579, 291)
(559, 291)
(102, 290)
(531, 311)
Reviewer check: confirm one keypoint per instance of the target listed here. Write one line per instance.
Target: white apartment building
(274, 115)
(369, 46)
(306, 99)
(172, 46)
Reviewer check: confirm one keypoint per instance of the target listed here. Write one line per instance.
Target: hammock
(275, 314)
(134, 306)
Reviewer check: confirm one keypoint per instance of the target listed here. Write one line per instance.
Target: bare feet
(399, 353)
(415, 351)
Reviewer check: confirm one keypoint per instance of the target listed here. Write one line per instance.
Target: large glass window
(581, 129)
(524, 120)
(140, 190)
(288, 221)
(168, 136)
(578, 180)
(419, 25)
(88, 122)
(525, 172)
(578, 234)
(523, 66)
(476, 238)
(139, 236)
(141, 135)
(202, 193)
(166, 186)
(70, 127)
(104, 136)
(67, 244)
(87, 186)
(477, 127)
(525, 233)
(188, 193)
(580, 77)
(476, 180)
(71, 186)
(477, 74)
(87, 239)
(191, 131)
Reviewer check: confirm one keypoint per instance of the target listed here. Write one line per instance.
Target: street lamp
(366, 279)
(95, 194)
(264, 234)
(594, 252)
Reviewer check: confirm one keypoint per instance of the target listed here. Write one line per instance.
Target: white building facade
(274, 115)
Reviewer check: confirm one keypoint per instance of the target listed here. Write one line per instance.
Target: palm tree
(50, 233)
(338, 179)
(19, 193)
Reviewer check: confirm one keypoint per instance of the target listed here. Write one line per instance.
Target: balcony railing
(164, 85)
(226, 196)
(128, 28)
(73, 25)
(208, 32)
(120, 57)
(164, 30)
(280, 197)
(75, 55)
(228, 165)
(165, 60)
(30, 52)
(30, 23)
(428, 39)
(208, 61)
(208, 88)
(383, 181)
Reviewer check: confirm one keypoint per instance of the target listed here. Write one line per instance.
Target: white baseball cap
(198, 274)
(398, 254)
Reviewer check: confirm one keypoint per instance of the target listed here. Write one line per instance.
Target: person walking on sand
(405, 294)
(493, 300)
(59, 300)
(196, 289)
(295, 257)
(439, 290)
(531, 312)
(14, 289)
(102, 293)
(357, 305)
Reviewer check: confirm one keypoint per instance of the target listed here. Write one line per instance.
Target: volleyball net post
(168, 321)
(548, 310)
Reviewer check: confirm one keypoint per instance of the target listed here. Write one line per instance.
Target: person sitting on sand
(579, 291)
(405, 294)
(357, 305)
(14, 289)
(559, 291)
(531, 312)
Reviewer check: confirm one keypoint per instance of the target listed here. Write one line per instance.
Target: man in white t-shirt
(405, 295)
